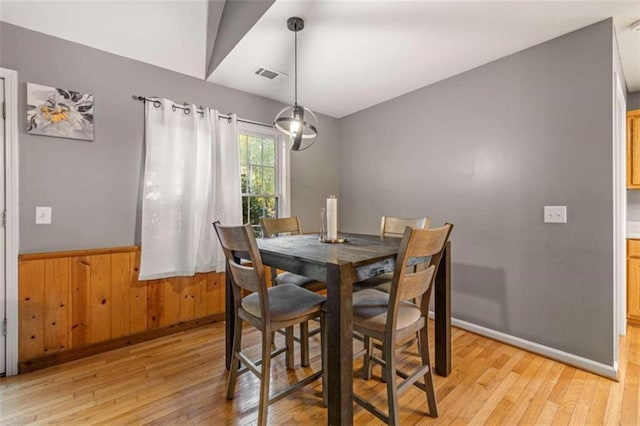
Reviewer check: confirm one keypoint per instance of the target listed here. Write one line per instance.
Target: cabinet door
(633, 149)
(633, 290)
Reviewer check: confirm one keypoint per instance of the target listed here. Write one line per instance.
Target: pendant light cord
(296, 66)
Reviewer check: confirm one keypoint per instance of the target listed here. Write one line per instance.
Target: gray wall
(486, 150)
(633, 101)
(93, 186)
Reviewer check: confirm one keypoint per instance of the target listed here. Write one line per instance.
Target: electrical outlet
(555, 214)
(43, 215)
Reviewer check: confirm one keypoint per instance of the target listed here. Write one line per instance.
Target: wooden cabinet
(633, 149)
(633, 282)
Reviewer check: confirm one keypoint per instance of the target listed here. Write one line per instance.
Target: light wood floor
(181, 379)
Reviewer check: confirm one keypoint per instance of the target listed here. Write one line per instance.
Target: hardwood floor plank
(612, 412)
(560, 387)
(540, 397)
(570, 398)
(584, 401)
(548, 413)
(599, 404)
(494, 400)
(629, 410)
(522, 401)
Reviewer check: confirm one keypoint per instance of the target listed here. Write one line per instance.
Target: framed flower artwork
(59, 112)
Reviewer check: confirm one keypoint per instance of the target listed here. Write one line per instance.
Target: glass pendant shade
(300, 124)
(296, 121)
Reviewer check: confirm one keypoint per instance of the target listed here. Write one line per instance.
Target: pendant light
(297, 122)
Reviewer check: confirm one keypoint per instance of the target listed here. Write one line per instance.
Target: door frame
(619, 215)
(12, 229)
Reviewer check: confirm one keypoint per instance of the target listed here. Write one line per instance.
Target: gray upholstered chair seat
(370, 309)
(286, 301)
(291, 278)
(300, 281)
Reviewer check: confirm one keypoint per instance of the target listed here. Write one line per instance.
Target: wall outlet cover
(555, 214)
(43, 215)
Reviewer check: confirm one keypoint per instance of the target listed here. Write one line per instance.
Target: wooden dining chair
(394, 226)
(273, 227)
(267, 309)
(395, 317)
(390, 227)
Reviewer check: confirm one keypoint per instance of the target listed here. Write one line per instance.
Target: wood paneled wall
(70, 300)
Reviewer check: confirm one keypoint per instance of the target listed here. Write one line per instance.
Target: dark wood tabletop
(302, 252)
(339, 266)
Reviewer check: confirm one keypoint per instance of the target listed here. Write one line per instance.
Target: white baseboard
(608, 371)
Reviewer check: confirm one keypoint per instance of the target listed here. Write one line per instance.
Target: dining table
(339, 265)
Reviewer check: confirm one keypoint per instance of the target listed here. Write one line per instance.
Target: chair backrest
(272, 227)
(240, 242)
(394, 226)
(416, 267)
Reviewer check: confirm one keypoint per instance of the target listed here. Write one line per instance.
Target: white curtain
(284, 173)
(191, 179)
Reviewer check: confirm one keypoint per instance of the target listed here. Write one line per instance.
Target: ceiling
(353, 54)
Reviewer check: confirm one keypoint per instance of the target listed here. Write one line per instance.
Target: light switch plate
(43, 215)
(555, 214)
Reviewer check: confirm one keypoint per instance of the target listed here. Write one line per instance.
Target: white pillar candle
(332, 218)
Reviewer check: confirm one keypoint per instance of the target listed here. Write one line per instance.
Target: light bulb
(295, 127)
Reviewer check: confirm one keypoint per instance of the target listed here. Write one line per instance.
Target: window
(259, 176)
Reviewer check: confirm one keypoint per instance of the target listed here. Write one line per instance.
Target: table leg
(228, 317)
(339, 324)
(443, 313)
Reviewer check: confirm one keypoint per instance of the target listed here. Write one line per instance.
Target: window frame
(281, 167)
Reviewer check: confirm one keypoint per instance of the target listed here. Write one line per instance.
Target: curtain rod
(156, 103)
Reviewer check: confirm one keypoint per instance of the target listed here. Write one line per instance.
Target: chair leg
(263, 404)
(235, 361)
(383, 371)
(428, 377)
(368, 349)
(288, 336)
(389, 371)
(323, 355)
(304, 343)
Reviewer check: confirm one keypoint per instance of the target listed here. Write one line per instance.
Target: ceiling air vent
(270, 74)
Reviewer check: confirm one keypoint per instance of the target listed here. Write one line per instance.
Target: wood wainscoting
(78, 303)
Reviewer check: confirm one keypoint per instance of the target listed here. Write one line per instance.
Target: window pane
(268, 180)
(271, 207)
(256, 209)
(255, 150)
(256, 180)
(245, 210)
(244, 179)
(269, 152)
(243, 149)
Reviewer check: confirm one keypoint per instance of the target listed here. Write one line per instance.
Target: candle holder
(323, 235)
